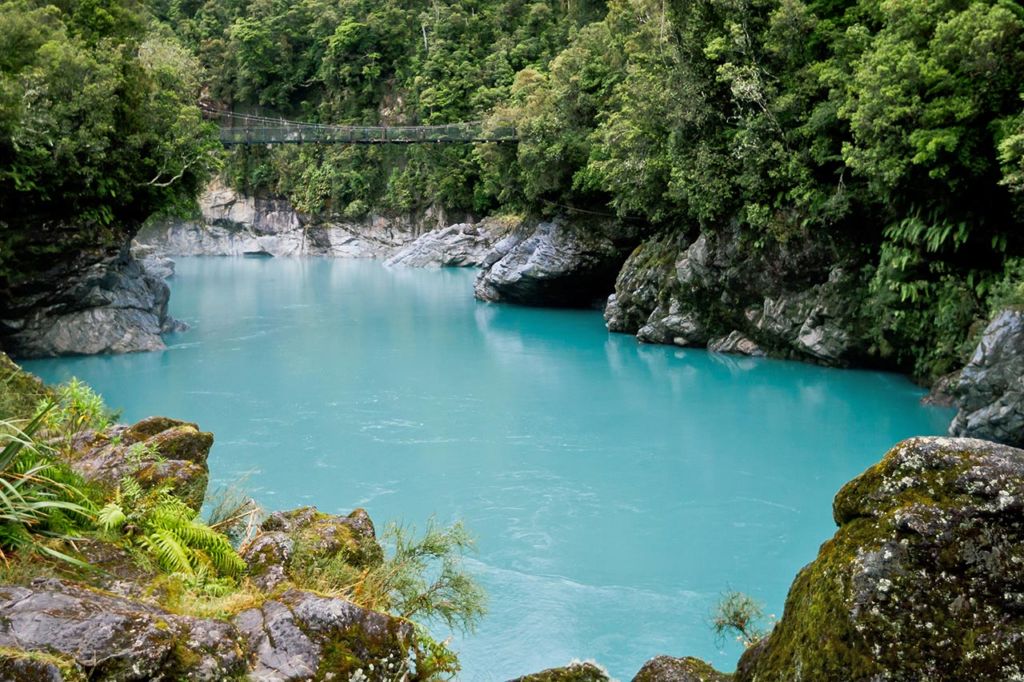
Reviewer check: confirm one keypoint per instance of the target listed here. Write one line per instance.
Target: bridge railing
(292, 133)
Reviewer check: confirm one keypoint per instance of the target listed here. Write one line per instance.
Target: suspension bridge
(251, 129)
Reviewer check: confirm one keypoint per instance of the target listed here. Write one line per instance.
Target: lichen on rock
(670, 669)
(294, 543)
(576, 671)
(923, 580)
(157, 452)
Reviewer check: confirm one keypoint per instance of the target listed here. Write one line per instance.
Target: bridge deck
(265, 131)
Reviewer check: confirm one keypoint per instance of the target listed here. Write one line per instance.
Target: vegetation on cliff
(99, 129)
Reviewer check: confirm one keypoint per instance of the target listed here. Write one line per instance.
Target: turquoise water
(616, 489)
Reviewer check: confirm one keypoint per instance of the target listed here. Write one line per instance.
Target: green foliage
(98, 129)
(739, 615)
(424, 577)
(170, 532)
(41, 501)
(74, 409)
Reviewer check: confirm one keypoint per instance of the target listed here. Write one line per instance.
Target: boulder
(460, 245)
(989, 391)
(298, 542)
(303, 636)
(577, 671)
(550, 264)
(88, 634)
(669, 669)
(157, 451)
(923, 580)
(112, 307)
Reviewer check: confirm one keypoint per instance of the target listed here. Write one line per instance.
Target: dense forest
(891, 131)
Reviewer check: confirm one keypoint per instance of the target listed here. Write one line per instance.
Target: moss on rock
(688, 669)
(574, 672)
(923, 580)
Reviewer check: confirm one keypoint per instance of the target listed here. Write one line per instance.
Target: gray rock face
(57, 630)
(235, 225)
(670, 669)
(112, 307)
(550, 264)
(735, 343)
(101, 636)
(300, 635)
(990, 390)
(155, 451)
(923, 580)
(461, 245)
(777, 299)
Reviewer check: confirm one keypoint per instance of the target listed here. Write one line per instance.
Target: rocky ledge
(234, 224)
(112, 306)
(552, 264)
(461, 245)
(730, 296)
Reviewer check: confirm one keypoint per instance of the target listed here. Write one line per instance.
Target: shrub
(739, 614)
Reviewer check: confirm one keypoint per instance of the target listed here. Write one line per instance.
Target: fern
(183, 544)
(168, 551)
(111, 517)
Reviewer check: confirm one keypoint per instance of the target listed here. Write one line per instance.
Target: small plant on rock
(739, 614)
(170, 532)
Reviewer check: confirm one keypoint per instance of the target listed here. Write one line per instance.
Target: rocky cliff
(111, 305)
(723, 292)
(989, 391)
(558, 263)
(234, 224)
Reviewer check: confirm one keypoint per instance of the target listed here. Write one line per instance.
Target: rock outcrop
(577, 671)
(924, 580)
(670, 669)
(234, 224)
(779, 299)
(461, 245)
(551, 264)
(303, 636)
(989, 391)
(112, 306)
(157, 451)
(57, 630)
(92, 635)
(300, 540)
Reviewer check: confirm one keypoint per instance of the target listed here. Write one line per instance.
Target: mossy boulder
(577, 671)
(923, 580)
(157, 452)
(305, 542)
(66, 631)
(670, 669)
(304, 636)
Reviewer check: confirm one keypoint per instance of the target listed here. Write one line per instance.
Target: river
(616, 489)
